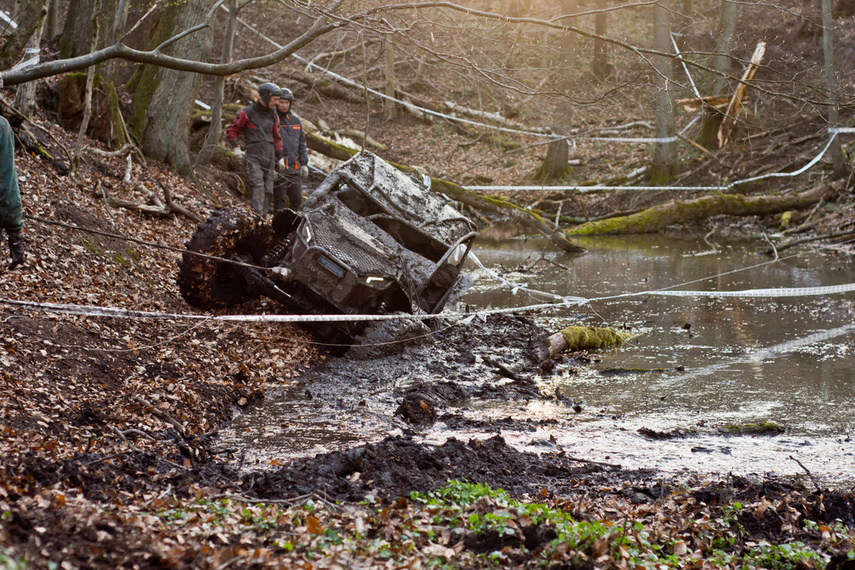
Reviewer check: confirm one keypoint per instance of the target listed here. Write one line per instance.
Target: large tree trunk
(78, 30)
(665, 161)
(679, 212)
(25, 97)
(32, 15)
(164, 98)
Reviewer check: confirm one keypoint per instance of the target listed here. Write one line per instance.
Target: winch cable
(464, 317)
(143, 242)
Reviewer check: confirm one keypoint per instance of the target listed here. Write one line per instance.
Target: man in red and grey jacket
(288, 190)
(260, 127)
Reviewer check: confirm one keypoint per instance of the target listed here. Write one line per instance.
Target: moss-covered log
(585, 338)
(679, 212)
(490, 204)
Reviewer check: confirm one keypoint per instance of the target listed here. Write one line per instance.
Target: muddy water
(698, 364)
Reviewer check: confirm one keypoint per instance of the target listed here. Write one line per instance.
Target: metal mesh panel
(352, 242)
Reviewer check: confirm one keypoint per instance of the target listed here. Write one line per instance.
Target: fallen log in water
(584, 338)
(679, 211)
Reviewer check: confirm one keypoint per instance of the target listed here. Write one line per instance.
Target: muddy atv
(369, 240)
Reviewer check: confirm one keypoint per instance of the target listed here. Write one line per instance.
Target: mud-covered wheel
(207, 283)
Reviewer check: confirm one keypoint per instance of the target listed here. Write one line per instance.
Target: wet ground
(744, 385)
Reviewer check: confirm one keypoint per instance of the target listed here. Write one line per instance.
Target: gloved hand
(281, 164)
(16, 252)
(237, 152)
(304, 172)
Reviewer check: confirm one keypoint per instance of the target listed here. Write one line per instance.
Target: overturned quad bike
(369, 240)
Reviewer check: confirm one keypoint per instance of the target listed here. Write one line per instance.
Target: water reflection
(726, 360)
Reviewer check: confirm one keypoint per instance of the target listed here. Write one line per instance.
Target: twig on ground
(809, 474)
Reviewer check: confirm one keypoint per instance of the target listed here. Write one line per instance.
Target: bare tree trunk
(164, 98)
(389, 107)
(665, 163)
(600, 65)
(90, 80)
(726, 34)
(78, 30)
(719, 62)
(115, 29)
(32, 15)
(51, 29)
(556, 165)
(216, 128)
(831, 84)
(25, 98)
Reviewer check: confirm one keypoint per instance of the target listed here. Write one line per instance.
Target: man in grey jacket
(295, 164)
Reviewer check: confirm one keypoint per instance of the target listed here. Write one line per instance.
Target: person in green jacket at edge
(11, 218)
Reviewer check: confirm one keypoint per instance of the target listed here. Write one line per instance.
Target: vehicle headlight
(373, 279)
(306, 232)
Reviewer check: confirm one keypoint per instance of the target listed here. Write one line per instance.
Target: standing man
(295, 155)
(11, 218)
(260, 127)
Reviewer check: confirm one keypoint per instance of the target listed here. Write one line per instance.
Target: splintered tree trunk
(680, 212)
(720, 62)
(665, 163)
(164, 98)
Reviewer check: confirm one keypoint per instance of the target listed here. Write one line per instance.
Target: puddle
(717, 361)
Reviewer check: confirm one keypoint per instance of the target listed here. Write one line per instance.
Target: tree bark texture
(32, 16)
(556, 165)
(78, 30)
(831, 84)
(216, 128)
(25, 97)
(600, 65)
(390, 110)
(164, 98)
(665, 161)
(679, 212)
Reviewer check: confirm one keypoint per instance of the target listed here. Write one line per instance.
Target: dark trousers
(287, 192)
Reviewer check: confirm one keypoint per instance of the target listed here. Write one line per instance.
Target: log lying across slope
(489, 204)
(679, 211)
